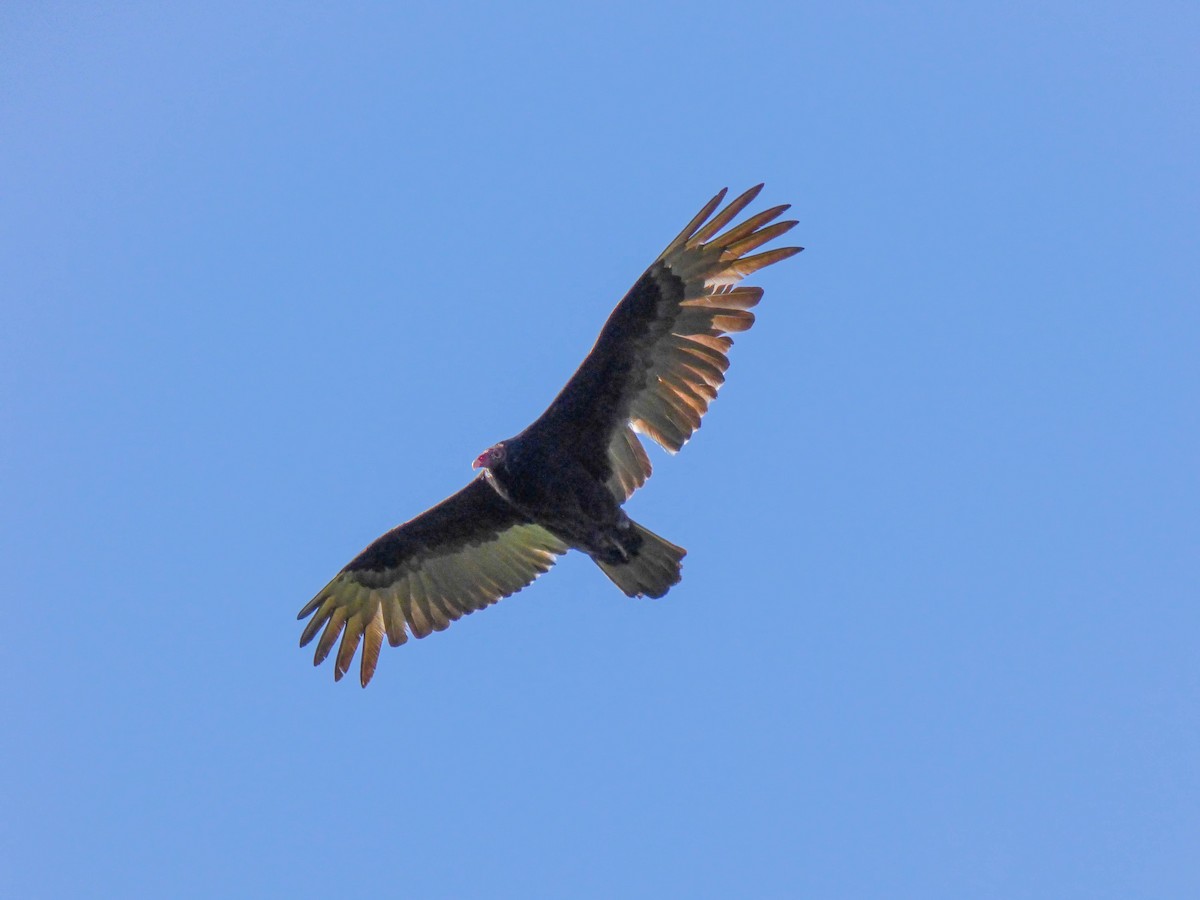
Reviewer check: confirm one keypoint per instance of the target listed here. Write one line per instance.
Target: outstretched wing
(661, 356)
(459, 556)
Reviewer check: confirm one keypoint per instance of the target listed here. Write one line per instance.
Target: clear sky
(274, 274)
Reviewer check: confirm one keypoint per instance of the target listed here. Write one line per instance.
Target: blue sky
(273, 276)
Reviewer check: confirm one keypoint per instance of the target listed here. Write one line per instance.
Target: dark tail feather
(651, 571)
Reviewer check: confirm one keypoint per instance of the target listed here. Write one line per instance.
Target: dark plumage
(560, 483)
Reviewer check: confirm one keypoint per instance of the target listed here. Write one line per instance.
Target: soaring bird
(559, 485)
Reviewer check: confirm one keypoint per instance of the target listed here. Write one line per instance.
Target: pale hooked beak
(489, 457)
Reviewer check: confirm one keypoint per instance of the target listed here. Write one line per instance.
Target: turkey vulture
(560, 483)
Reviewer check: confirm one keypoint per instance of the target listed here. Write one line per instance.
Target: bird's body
(560, 484)
(557, 492)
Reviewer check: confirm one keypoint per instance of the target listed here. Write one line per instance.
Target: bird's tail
(650, 570)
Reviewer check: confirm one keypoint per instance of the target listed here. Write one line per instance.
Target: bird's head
(490, 457)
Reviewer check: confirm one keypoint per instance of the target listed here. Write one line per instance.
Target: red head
(489, 457)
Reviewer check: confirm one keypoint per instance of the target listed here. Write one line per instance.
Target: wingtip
(717, 199)
(753, 192)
